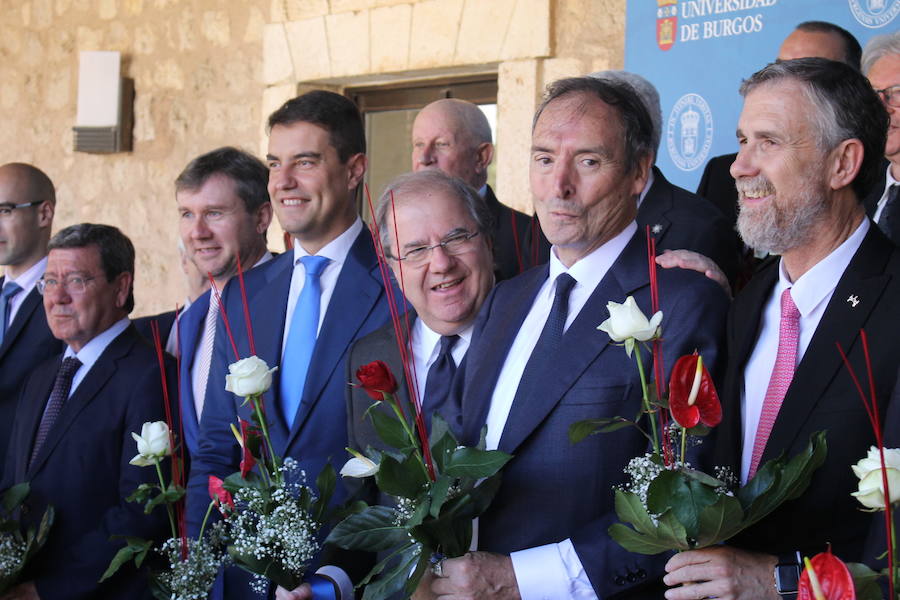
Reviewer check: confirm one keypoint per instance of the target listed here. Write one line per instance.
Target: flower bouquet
(668, 504)
(17, 547)
(192, 563)
(439, 487)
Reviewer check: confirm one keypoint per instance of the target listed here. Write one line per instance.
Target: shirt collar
(427, 341)
(819, 282)
(483, 191)
(336, 250)
(589, 270)
(29, 278)
(90, 352)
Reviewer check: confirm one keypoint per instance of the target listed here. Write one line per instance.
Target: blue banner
(696, 52)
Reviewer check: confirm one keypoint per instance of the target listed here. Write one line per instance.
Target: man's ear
(484, 155)
(356, 167)
(123, 283)
(45, 212)
(844, 163)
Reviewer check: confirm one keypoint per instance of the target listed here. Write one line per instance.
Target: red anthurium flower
(247, 460)
(219, 494)
(692, 394)
(831, 579)
(376, 379)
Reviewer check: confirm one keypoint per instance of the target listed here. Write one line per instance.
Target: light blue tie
(301, 338)
(9, 290)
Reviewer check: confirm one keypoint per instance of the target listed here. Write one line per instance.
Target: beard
(778, 226)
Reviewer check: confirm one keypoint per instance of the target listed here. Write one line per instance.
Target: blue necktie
(301, 338)
(9, 290)
(437, 383)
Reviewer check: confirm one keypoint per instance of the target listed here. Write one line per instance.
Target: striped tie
(203, 359)
(58, 396)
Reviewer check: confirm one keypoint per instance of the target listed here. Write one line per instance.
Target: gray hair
(468, 118)
(430, 180)
(879, 47)
(647, 92)
(116, 250)
(844, 107)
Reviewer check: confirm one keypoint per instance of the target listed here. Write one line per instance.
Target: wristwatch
(787, 575)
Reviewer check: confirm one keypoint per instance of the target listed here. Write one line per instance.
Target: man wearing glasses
(881, 64)
(27, 203)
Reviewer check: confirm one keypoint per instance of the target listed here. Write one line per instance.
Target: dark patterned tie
(889, 222)
(545, 351)
(9, 290)
(440, 374)
(61, 386)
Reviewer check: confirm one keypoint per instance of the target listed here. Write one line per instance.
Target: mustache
(759, 184)
(566, 206)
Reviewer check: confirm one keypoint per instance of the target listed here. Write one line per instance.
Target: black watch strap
(787, 575)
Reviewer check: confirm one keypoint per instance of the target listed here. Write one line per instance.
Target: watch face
(787, 578)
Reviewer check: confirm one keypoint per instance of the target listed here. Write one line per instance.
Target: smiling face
(884, 73)
(779, 171)
(216, 228)
(583, 195)
(77, 318)
(311, 189)
(446, 290)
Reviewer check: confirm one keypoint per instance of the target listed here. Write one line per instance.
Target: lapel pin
(853, 300)
(656, 229)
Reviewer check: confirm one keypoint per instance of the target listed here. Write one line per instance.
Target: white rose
(249, 376)
(359, 466)
(626, 321)
(152, 444)
(868, 470)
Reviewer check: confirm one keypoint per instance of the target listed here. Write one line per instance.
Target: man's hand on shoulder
(23, 591)
(721, 572)
(686, 259)
(476, 576)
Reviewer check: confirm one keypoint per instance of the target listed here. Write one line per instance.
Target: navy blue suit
(190, 332)
(358, 306)
(82, 469)
(553, 490)
(27, 343)
(165, 320)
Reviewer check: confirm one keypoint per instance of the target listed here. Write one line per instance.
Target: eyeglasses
(74, 284)
(453, 245)
(6, 210)
(890, 95)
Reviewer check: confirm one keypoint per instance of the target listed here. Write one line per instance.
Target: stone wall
(208, 72)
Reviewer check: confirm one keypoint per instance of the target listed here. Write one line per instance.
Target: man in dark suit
(27, 203)
(677, 218)
(306, 306)
(810, 38)
(538, 363)
(802, 169)
(454, 136)
(444, 261)
(881, 65)
(72, 435)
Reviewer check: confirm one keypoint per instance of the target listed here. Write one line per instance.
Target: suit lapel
(355, 294)
(32, 302)
(190, 327)
(653, 209)
(86, 391)
(864, 280)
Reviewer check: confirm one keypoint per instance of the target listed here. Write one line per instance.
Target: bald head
(453, 136)
(27, 202)
(818, 39)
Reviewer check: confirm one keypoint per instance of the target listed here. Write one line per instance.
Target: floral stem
(162, 489)
(205, 519)
(651, 412)
(256, 402)
(392, 400)
(683, 442)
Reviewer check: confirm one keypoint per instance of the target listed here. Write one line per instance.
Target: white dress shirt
(888, 182)
(91, 351)
(811, 294)
(27, 281)
(336, 251)
(553, 571)
(426, 347)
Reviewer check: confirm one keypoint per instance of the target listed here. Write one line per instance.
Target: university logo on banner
(689, 132)
(667, 23)
(874, 13)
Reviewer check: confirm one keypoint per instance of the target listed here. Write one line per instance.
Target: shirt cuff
(551, 572)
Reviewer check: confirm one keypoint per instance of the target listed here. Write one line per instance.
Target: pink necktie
(782, 373)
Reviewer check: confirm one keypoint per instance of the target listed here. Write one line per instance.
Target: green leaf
(703, 478)
(630, 509)
(474, 463)
(142, 493)
(442, 448)
(372, 530)
(325, 484)
(685, 496)
(400, 479)
(670, 530)
(582, 429)
(389, 428)
(392, 583)
(438, 493)
(865, 581)
(633, 541)
(719, 521)
(15, 496)
(133, 547)
(235, 482)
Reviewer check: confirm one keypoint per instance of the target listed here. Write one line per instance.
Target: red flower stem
(246, 305)
(215, 291)
(658, 371)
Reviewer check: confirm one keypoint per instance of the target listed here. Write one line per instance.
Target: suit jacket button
(642, 574)
(619, 580)
(632, 577)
